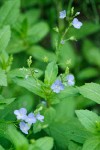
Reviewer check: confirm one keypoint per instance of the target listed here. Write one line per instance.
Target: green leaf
(28, 14)
(5, 102)
(49, 115)
(24, 101)
(1, 148)
(65, 108)
(87, 29)
(74, 146)
(51, 73)
(3, 78)
(67, 130)
(91, 91)
(29, 3)
(91, 53)
(22, 72)
(5, 34)
(66, 54)
(66, 93)
(16, 45)
(38, 32)
(45, 143)
(88, 119)
(9, 131)
(37, 127)
(87, 73)
(92, 143)
(82, 102)
(40, 53)
(9, 12)
(30, 84)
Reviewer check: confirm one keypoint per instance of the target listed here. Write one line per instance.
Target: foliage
(50, 66)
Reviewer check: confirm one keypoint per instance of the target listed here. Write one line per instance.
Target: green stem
(60, 38)
(66, 30)
(61, 25)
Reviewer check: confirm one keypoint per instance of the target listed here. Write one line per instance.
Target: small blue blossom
(44, 103)
(27, 120)
(76, 23)
(20, 114)
(70, 80)
(24, 127)
(57, 86)
(62, 42)
(71, 83)
(62, 14)
(30, 118)
(40, 117)
(70, 77)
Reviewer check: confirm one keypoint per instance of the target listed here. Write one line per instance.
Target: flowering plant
(46, 105)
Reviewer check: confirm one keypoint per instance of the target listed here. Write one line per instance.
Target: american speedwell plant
(40, 113)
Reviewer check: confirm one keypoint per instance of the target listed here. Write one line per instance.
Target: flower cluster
(27, 120)
(75, 22)
(58, 86)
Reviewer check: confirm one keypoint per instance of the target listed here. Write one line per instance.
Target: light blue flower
(62, 42)
(62, 14)
(76, 23)
(40, 117)
(57, 86)
(24, 127)
(70, 79)
(30, 118)
(20, 114)
(71, 82)
(44, 103)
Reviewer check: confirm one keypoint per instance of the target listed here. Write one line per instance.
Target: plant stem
(66, 30)
(60, 38)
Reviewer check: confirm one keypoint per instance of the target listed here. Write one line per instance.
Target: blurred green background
(32, 34)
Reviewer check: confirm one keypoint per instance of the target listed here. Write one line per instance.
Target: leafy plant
(49, 75)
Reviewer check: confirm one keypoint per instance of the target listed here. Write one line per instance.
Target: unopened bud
(67, 70)
(72, 10)
(45, 59)
(72, 38)
(32, 141)
(29, 61)
(68, 62)
(78, 13)
(56, 29)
